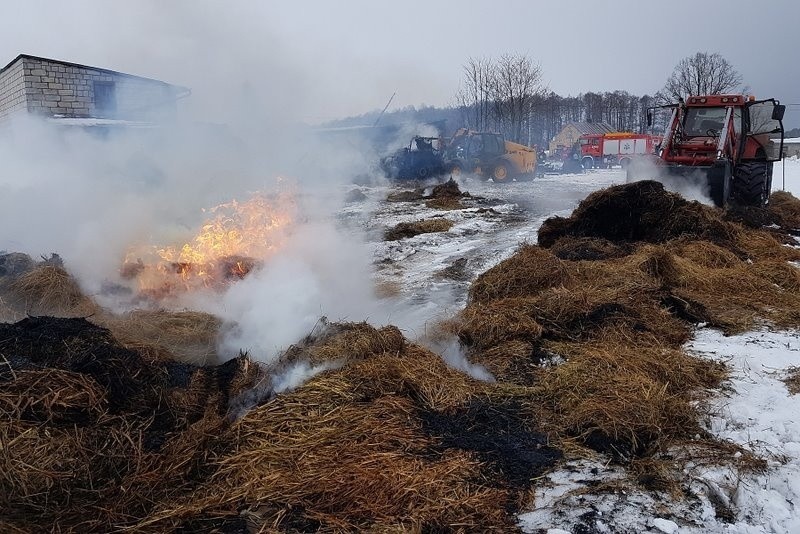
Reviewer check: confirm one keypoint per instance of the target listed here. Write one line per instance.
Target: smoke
(454, 356)
(692, 186)
(321, 271)
(90, 196)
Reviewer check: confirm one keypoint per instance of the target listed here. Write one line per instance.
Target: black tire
(423, 172)
(587, 163)
(502, 172)
(751, 181)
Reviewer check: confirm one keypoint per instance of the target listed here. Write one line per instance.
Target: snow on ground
(786, 176)
(756, 411)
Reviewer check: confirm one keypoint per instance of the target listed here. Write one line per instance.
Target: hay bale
(639, 211)
(50, 290)
(424, 226)
(786, 208)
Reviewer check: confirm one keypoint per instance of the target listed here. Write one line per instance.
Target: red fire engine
(617, 148)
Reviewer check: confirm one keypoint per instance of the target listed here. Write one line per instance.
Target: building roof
(78, 65)
(592, 127)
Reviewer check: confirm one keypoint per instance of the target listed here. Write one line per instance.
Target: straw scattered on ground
(392, 440)
(792, 380)
(410, 229)
(612, 293)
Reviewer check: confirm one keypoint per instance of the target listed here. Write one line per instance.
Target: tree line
(508, 95)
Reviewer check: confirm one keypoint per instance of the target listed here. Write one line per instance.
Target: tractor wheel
(751, 182)
(501, 172)
(423, 172)
(587, 163)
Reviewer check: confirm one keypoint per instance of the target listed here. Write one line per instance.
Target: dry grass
(618, 308)
(445, 203)
(386, 289)
(185, 336)
(792, 380)
(102, 436)
(425, 226)
(625, 399)
(530, 270)
(377, 445)
(406, 196)
(343, 342)
(787, 207)
(50, 290)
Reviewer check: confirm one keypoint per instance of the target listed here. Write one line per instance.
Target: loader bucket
(714, 180)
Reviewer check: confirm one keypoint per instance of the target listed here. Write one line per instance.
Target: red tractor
(728, 142)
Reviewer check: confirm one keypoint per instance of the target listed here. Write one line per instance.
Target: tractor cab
(732, 140)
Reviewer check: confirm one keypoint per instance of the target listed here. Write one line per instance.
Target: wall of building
(12, 90)
(565, 138)
(62, 90)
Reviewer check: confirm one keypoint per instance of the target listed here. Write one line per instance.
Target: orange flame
(228, 246)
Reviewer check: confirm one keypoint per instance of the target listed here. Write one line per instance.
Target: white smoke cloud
(693, 186)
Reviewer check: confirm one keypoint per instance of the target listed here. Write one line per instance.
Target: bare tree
(500, 94)
(515, 85)
(700, 74)
(473, 96)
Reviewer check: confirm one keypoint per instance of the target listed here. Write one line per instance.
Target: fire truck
(617, 148)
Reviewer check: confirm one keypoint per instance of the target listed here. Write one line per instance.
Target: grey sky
(327, 59)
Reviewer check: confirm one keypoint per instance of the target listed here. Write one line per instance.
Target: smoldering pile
(612, 293)
(106, 430)
(104, 433)
(444, 196)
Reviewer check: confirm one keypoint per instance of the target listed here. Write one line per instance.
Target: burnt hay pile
(102, 429)
(614, 291)
(444, 196)
(99, 437)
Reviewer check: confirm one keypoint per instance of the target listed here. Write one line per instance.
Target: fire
(233, 240)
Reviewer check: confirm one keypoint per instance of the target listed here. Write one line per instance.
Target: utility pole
(384, 109)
